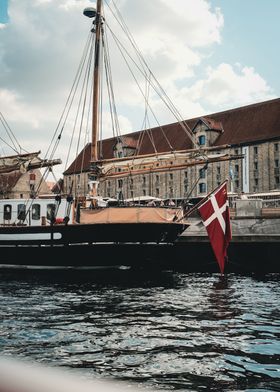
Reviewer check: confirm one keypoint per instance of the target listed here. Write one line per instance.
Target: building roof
(244, 125)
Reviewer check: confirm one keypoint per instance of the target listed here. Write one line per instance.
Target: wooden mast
(95, 100)
(96, 77)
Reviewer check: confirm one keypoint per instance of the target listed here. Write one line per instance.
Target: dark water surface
(162, 330)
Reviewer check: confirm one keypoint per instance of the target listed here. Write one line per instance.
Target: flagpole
(201, 201)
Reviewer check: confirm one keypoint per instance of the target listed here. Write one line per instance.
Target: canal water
(164, 330)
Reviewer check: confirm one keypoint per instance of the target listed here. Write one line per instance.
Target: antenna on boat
(91, 12)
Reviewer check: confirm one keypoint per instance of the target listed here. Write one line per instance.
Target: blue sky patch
(3, 11)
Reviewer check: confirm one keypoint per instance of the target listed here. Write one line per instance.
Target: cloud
(41, 47)
(227, 84)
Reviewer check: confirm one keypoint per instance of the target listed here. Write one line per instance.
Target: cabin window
(7, 212)
(202, 187)
(201, 173)
(36, 212)
(50, 211)
(202, 140)
(21, 211)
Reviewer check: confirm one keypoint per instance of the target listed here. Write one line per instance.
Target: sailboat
(38, 235)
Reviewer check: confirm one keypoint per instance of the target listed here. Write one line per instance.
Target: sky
(209, 55)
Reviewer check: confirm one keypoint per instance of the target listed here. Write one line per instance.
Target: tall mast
(97, 23)
(96, 82)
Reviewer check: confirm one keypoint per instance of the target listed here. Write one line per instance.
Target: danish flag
(214, 212)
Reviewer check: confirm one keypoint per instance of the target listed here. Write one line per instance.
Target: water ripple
(171, 331)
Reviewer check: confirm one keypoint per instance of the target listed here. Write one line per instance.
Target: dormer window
(202, 140)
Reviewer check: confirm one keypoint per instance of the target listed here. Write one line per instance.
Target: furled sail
(25, 162)
(174, 160)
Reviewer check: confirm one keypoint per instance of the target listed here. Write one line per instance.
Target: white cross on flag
(214, 212)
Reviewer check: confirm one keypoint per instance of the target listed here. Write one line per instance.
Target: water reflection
(162, 329)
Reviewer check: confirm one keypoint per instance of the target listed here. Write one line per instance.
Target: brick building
(252, 130)
(17, 185)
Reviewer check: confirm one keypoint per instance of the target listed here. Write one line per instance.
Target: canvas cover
(130, 215)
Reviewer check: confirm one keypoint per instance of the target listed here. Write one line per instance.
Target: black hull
(59, 235)
(262, 257)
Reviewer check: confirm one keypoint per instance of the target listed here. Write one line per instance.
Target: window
(21, 210)
(120, 183)
(171, 176)
(186, 174)
(157, 178)
(109, 184)
(276, 147)
(7, 212)
(120, 154)
(236, 169)
(171, 191)
(36, 212)
(256, 150)
(276, 162)
(202, 140)
(157, 192)
(202, 187)
(236, 184)
(256, 165)
(131, 194)
(277, 180)
(201, 173)
(144, 192)
(50, 211)
(144, 180)
(256, 181)
(186, 187)
(218, 169)
(236, 151)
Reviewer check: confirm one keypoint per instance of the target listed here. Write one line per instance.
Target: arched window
(50, 211)
(36, 212)
(21, 210)
(7, 212)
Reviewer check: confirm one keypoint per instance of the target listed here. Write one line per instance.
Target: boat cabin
(31, 212)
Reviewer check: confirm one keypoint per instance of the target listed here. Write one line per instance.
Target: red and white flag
(214, 212)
